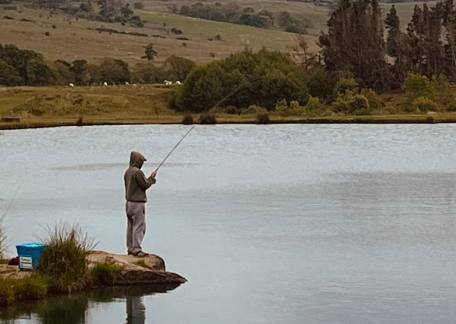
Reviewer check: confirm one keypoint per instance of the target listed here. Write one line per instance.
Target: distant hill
(62, 36)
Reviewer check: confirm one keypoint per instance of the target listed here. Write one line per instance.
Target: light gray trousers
(136, 228)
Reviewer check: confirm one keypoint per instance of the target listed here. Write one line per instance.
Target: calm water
(270, 224)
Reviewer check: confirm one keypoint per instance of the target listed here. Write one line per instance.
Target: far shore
(58, 121)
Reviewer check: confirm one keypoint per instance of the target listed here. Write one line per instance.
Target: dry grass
(69, 103)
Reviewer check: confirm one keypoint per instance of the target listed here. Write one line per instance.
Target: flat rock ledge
(148, 270)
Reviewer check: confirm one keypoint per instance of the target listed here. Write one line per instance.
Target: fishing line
(172, 150)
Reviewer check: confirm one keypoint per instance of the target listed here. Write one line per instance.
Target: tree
(39, 73)
(354, 43)
(178, 67)
(393, 27)
(79, 69)
(150, 52)
(8, 74)
(114, 71)
(241, 80)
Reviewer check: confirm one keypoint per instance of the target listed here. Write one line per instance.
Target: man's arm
(144, 182)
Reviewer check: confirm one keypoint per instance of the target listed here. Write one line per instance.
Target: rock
(148, 270)
(128, 262)
(137, 270)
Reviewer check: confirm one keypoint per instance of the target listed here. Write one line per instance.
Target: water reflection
(136, 311)
(76, 309)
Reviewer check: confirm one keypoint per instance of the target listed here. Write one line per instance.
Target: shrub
(375, 101)
(351, 103)
(314, 104)
(323, 84)
(31, 288)
(207, 119)
(285, 110)
(254, 109)
(232, 110)
(64, 259)
(241, 80)
(347, 84)
(359, 104)
(441, 90)
(451, 106)
(187, 119)
(424, 104)
(416, 85)
(262, 118)
(6, 292)
(105, 274)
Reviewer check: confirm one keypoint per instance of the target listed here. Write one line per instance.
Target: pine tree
(393, 38)
(354, 43)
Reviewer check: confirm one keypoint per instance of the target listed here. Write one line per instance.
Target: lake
(269, 224)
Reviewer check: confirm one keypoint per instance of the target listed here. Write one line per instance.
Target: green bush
(451, 106)
(424, 104)
(285, 110)
(314, 104)
(187, 119)
(416, 85)
(347, 84)
(64, 259)
(351, 103)
(241, 80)
(6, 292)
(262, 118)
(34, 287)
(322, 84)
(375, 101)
(233, 110)
(105, 274)
(254, 109)
(207, 119)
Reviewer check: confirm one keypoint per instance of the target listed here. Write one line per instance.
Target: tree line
(355, 43)
(233, 13)
(111, 11)
(27, 67)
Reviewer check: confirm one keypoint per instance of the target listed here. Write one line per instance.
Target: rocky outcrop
(150, 270)
(137, 270)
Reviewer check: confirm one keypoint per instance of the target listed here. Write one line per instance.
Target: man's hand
(154, 173)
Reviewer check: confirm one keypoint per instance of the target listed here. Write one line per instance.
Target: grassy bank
(148, 104)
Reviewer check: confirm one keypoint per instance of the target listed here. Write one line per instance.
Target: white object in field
(167, 82)
(178, 82)
(25, 263)
(105, 84)
(71, 85)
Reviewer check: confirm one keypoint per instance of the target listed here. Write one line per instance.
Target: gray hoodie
(136, 182)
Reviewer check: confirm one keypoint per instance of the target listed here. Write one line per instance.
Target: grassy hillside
(71, 38)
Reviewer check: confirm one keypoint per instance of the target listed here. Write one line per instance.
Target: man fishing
(136, 184)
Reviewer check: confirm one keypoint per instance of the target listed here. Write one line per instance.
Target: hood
(137, 159)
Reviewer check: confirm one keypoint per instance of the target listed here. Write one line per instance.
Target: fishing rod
(11, 202)
(172, 150)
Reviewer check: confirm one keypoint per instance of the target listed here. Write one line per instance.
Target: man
(136, 185)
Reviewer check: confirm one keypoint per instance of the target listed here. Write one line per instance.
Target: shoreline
(31, 123)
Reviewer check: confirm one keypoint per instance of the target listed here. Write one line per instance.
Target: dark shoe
(141, 254)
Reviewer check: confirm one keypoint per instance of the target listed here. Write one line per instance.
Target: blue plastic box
(29, 255)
